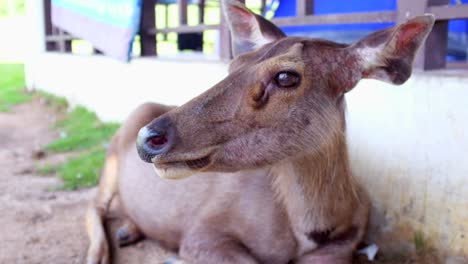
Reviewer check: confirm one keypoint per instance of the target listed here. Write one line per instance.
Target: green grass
(82, 171)
(420, 242)
(82, 130)
(57, 103)
(83, 133)
(46, 169)
(12, 86)
(78, 172)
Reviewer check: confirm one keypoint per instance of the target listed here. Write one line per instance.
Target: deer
(256, 168)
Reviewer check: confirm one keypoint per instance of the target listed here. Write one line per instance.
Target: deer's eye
(287, 79)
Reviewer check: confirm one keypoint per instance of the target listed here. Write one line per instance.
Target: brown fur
(275, 184)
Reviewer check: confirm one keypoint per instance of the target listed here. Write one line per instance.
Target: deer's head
(283, 96)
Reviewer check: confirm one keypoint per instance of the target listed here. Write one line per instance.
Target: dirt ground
(43, 226)
(39, 225)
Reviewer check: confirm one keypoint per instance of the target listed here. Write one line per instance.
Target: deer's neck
(317, 189)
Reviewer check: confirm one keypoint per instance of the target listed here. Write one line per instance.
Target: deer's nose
(154, 139)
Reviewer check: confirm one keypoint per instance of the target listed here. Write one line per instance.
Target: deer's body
(265, 150)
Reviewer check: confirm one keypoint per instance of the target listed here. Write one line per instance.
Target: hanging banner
(110, 25)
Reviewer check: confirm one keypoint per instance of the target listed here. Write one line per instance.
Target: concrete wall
(113, 89)
(408, 144)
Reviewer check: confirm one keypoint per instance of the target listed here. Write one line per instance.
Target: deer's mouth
(181, 168)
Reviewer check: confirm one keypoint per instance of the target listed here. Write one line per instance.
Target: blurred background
(71, 71)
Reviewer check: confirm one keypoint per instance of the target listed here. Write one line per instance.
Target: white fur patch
(173, 173)
(370, 56)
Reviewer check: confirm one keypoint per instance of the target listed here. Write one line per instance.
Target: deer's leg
(98, 210)
(206, 247)
(98, 250)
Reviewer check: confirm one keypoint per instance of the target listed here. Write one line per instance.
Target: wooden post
(147, 41)
(182, 4)
(201, 11)
(304, 7)
(432, 54)
(64, 45)
(50, 46)
(435, 49)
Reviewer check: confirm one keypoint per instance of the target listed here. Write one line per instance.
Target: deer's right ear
(248, 30)
(388, 54)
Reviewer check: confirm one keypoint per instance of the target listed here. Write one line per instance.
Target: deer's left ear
(388, 55)
(248, 30)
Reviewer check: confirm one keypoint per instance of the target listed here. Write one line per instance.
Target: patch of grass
(58, 103)
(83, 170)
(81, 130)
(420, 243)
(12, 86)
(46, 169)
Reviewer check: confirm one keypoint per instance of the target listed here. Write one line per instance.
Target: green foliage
(420, 242)
(57, 103)
(83, 170)
(12, 86)
(46, 169)
(12, 7)
(83, 133)
(82, 130)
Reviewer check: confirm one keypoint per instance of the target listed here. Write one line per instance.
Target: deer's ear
(248, 30)
(388, 55)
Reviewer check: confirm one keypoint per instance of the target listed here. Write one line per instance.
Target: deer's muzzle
(155, 140)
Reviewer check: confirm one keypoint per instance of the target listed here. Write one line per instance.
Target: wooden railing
(433, 55)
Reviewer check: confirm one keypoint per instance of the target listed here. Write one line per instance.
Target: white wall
(113, 88)
(408, 144)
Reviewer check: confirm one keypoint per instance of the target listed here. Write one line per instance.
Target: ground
(38, 224)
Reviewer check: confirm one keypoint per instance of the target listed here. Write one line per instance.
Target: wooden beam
(183, 29)
(370, 17)
(147, 41)
(446, 12)
(304, 7)
(55, 38)
(457, 65)
(408, 9)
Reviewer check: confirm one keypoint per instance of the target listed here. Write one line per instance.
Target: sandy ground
(39, 225)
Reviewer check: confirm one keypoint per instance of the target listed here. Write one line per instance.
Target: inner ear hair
(248, 30)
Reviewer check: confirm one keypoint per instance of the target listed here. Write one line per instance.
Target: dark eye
(287, 79)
